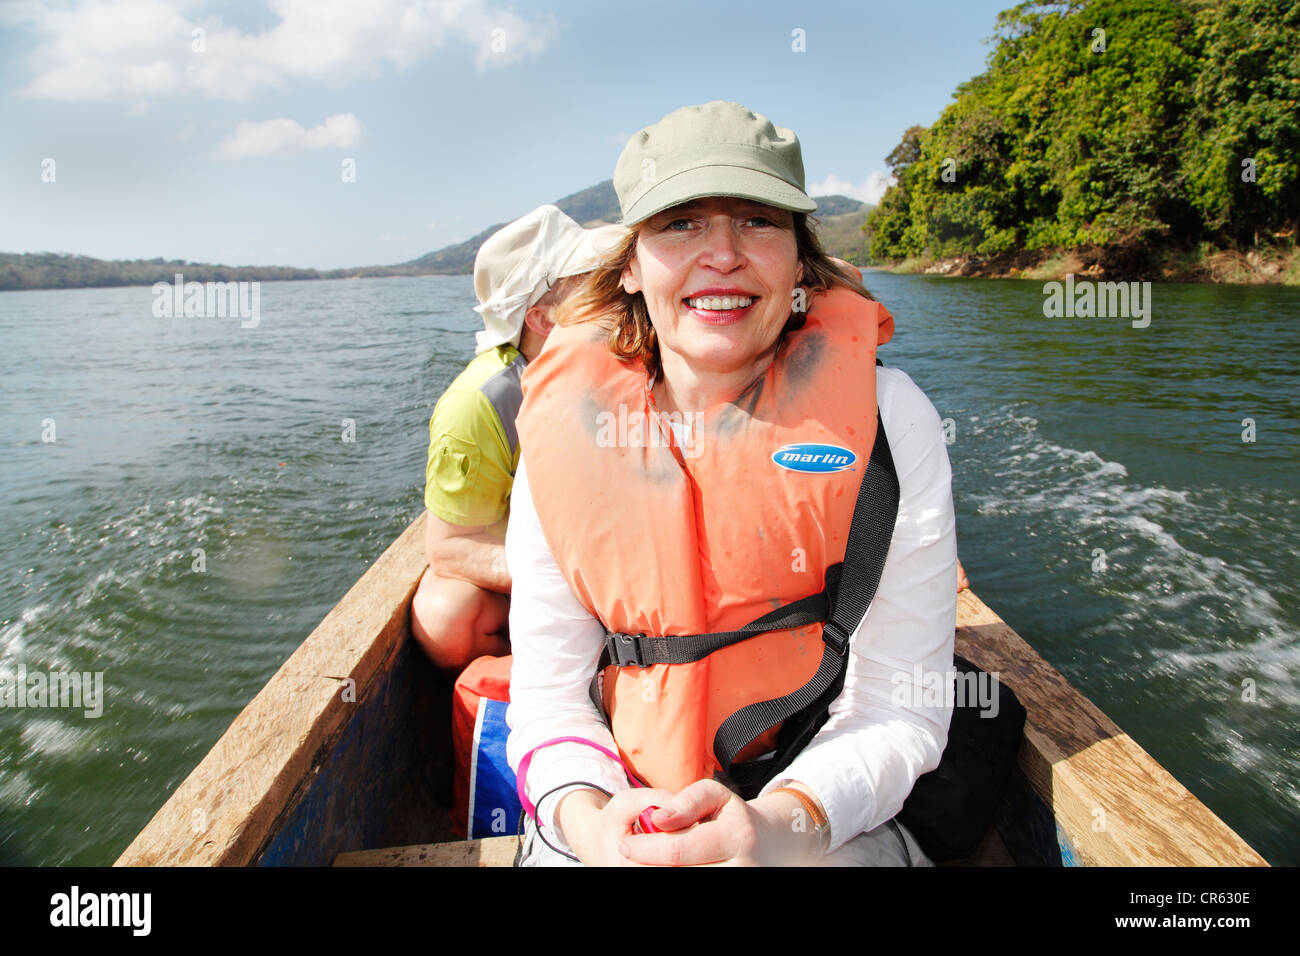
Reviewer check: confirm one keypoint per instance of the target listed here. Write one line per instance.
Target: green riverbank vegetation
(1153, 139)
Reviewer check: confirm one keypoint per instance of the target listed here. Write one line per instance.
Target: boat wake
(1189, 614)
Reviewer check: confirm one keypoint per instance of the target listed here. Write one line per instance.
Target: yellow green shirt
(473, 445)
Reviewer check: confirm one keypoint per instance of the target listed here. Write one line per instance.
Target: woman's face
(718, 277)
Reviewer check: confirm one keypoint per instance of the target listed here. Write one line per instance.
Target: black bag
(951, 807)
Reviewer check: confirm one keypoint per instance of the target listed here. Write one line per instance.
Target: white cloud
(20, 13)
(869, 191)
(137, 49)
(283, 137)
(391, 237)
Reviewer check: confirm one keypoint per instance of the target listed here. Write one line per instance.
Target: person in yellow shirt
(521, 275)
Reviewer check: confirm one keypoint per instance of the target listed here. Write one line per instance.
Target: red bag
(485, 802)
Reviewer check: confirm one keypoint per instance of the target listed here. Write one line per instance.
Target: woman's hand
(594, 824)
(708, 824)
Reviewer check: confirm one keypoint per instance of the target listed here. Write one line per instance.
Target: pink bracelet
(529, 807)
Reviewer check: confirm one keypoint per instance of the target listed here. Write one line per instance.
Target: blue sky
(231, 146)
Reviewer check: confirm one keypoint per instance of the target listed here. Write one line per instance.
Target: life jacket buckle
(834, 635)
(624, 649)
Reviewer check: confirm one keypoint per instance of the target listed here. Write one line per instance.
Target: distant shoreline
(322, 278)
(44, 271)
(1266, 265)
(839, 225)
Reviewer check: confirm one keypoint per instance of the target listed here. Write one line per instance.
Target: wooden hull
(344, 748)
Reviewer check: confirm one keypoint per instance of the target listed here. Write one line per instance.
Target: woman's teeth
(721, 303)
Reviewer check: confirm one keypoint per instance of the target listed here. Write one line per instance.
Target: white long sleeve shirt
(886, 728)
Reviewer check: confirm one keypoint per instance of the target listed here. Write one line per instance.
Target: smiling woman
(634, 336)
(758, 736)
(718, 274)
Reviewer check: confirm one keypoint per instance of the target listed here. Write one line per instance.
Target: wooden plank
(226, 809)
(379, 782)
(1114, 802)
(492, 851)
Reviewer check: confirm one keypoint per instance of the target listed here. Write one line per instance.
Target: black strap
(849, 590)
(523, 816)
(642, 650)
(851, 593)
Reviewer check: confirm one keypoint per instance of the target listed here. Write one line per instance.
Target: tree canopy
(1109, 122)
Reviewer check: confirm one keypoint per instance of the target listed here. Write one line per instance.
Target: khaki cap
(718, 149)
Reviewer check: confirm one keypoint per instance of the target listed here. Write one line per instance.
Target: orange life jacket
(664, 539)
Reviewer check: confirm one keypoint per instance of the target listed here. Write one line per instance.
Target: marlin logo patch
(813, 458)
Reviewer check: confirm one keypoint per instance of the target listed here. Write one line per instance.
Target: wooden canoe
(338, 758)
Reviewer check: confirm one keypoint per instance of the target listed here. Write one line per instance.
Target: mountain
(594, 204)
(841, 234)
(828, 206)
(599, 204)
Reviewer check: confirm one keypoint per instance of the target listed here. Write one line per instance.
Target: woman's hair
(601, 297)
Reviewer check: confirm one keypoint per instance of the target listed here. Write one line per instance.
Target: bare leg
(456, 622)
(962, 581)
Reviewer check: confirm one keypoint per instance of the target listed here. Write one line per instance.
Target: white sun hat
(521, 261)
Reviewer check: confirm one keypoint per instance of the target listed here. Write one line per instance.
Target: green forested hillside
(841, 233)
(1121, 125)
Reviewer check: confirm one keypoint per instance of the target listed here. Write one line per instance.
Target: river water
(184, 499)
